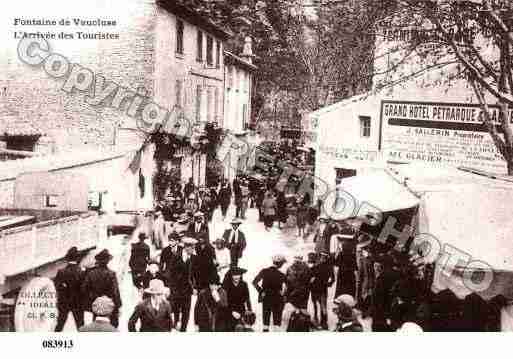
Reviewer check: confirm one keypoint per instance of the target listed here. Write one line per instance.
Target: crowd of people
(191, 263)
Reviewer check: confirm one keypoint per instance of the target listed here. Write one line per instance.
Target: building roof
(9, 170)
(12, 125)
(230, 58)
(194, 17)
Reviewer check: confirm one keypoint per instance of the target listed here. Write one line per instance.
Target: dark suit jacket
(101, 281)
(202, 233)
(98, 326)
(140, 256)
(151, 320)
(211, 314)
(68, 283)
(236, 249)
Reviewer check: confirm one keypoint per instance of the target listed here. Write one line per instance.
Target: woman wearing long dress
(345, 261)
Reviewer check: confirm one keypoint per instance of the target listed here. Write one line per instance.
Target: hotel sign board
(449, 134)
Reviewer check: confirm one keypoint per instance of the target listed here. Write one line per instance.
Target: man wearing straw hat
(154, 313)
(235, 241)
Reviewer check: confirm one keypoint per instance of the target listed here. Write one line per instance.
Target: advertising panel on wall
(449, 134)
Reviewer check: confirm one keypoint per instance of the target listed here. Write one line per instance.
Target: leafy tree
(467, 41)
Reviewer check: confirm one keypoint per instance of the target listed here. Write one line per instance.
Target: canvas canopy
(470, 217)
(374, 190)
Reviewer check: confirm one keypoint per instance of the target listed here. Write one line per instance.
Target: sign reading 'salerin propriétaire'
(449, 134)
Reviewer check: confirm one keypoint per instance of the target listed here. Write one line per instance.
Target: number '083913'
(57, 344)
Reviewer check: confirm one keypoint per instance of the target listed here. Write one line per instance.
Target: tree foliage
(466, 41)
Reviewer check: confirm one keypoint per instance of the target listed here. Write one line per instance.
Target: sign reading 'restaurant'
(439, 133)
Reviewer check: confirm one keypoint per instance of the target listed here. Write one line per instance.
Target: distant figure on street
(244, 198)
(224, 198)
(101, 281)
(68, 282)
(235, 241)
(139, 259)
(281, 211)
(102, 309)
(269, 207)
(237, 194)
(271, 292)
(154, 313)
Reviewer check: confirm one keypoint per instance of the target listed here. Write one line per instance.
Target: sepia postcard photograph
(258, 166)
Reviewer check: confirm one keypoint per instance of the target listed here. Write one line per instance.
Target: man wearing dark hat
(272, 291)
(224, 198)
(203, 263)
(237, 292)
(67, 283)
(322, 237)
(102, 309)
(177, 265)
(381, 300)
(101, 281)
(154, 313)
(211, 313)
(139, 259)
(323, 277)
(235, 241)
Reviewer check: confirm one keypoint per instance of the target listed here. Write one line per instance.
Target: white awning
(379, 190)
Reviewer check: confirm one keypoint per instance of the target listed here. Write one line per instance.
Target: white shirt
(234, 238)
(223, 259)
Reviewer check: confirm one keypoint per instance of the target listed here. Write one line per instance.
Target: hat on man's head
(235, 221)
(103, 256)
(213, 278)
(72, 255)
(279, 259)
(142, 236)
(199, 214)
(345, 299)
(189, 241)
(183, 218)
(103, 306)
(156, 286)
(237, 271)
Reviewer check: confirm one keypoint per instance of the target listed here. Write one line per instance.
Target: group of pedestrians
(94, 290)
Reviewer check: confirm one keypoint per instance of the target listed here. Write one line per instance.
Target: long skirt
(346, 283)
(268, 220)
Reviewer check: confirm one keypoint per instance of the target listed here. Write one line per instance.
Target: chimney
(247, 52)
